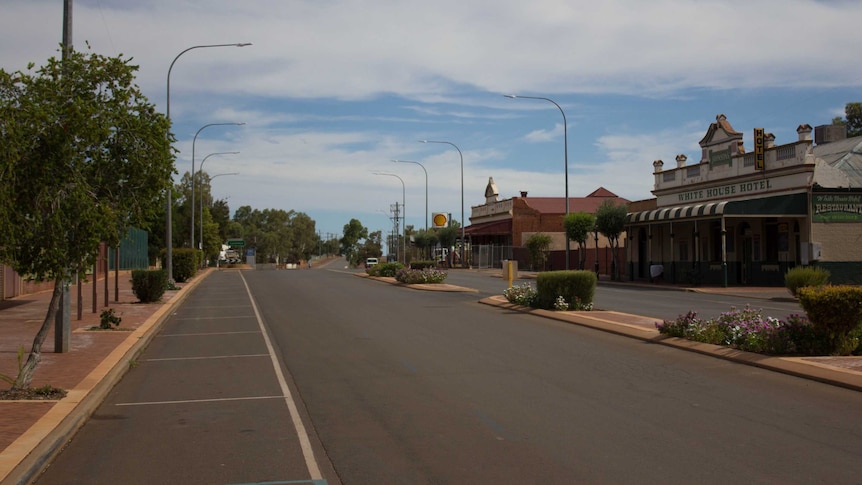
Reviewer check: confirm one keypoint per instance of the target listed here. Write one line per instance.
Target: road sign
(236, 243)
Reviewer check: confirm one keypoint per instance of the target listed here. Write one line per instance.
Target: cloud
(332, 90)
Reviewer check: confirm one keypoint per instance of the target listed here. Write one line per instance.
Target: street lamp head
(513, 96)
(243, 44)
(223, 174)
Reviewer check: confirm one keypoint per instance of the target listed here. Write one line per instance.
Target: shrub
(523, 294)
(573, 286)
(422, 264)
(837, 312)
(108, 319)
(805, 337)
(681, 327)
(186, 263)
(748, 330)
(149, 285)
(802, 276)
(385, 269)
(418, 276)
(13, 381)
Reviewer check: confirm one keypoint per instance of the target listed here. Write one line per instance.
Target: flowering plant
(560, 304)
(748, 330)
(523, 294)
(418, 276)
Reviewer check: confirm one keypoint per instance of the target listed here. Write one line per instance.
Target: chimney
(523, 193)
(804, 131)
(827, 133)
(769, 140)
(680, 160)
(657, 166)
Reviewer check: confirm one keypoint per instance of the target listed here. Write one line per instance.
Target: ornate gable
(491, 192)
(721, 143)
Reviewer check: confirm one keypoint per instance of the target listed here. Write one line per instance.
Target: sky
(331, 91)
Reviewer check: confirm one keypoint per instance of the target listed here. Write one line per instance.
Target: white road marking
(304, 441)
(192, 401)
(206, 358)
(214, 318)
(200, 334)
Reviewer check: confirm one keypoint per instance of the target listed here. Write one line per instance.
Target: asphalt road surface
(394, 385)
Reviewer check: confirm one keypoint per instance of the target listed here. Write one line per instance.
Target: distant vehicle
(369, 262)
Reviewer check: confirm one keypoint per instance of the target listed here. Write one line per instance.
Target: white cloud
(332, 90)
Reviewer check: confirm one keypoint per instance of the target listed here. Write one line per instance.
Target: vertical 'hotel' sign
(758, 149)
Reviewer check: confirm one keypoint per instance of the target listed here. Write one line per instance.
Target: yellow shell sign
(440, 219)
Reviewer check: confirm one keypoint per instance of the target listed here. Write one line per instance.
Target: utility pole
(62, 325)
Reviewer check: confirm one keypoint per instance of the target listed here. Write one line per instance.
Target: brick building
(499, 229)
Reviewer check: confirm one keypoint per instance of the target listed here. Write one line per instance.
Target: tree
(84, 157)
(447, 237)
(330, 246)
(372, 247)
(853, 121)
(425, 240)
(538, 245)
(578, 227)
(353, 232)
(611, 221)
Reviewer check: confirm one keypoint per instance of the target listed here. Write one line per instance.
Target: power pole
(62, 325)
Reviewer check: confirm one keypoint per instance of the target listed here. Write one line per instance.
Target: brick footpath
(92, 354)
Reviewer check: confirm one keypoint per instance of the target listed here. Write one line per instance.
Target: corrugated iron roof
(844, 155)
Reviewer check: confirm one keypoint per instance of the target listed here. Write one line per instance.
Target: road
(393, 385)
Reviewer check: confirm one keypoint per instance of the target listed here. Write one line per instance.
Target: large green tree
(852, 120)
(372, 247)
(611, 222)
(353, 232)
(84, 156)
(578, 227)
(276, 234)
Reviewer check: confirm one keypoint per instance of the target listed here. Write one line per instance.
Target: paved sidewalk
(839, 371)
(31, 432)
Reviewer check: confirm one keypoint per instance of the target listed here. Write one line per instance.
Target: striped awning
(788, 205)
(705, 210)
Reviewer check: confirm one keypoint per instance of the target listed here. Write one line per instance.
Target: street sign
(236, 243)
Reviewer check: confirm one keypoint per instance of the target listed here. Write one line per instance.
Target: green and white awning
(707, 210)
(782, 205)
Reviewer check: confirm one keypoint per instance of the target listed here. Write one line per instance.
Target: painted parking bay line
(304, 441)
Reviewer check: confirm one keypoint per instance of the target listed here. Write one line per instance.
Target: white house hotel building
(745, 218)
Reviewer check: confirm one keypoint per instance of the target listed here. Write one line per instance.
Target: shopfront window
(771, 244)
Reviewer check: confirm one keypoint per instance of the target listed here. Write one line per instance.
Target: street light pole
(202, 191)
(463, 222)
(194, 140)
(426, 187)
(403, 213)
(565, 155)
(169, 223)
